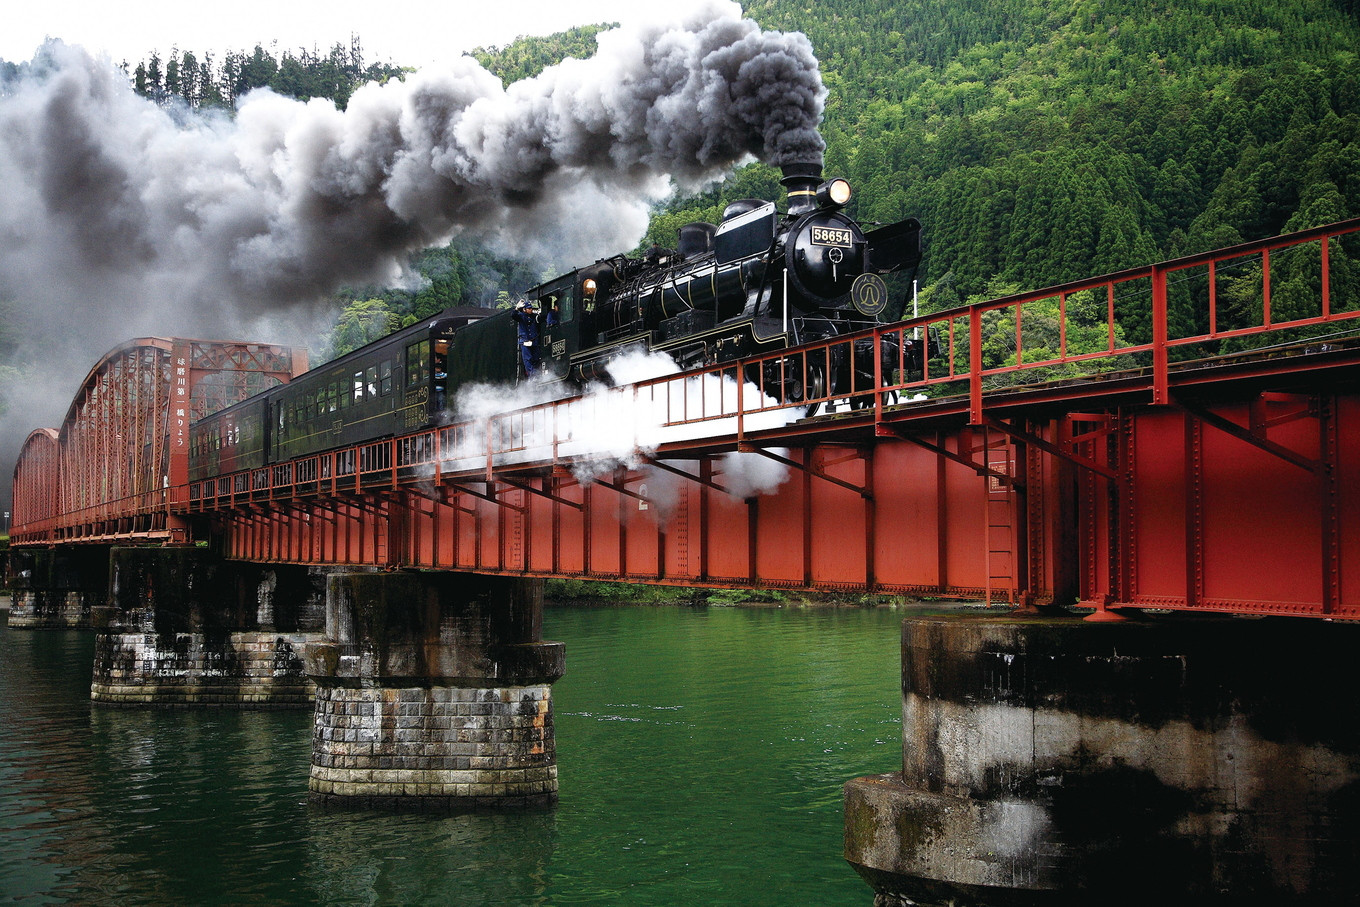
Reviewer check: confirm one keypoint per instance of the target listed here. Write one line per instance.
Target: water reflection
(474, 858)
(701, 757)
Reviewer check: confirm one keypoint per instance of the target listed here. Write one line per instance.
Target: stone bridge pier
(434, 690)
(58, 588)
(182, 627)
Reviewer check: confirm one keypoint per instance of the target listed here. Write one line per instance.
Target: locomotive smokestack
(801, 182)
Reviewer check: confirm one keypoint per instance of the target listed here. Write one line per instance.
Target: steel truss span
(1173, 437)
(116, 470)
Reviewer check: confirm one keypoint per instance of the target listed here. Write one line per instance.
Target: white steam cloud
(612, 427)
(106, 198)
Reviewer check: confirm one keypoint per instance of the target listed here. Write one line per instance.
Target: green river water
(701, 755)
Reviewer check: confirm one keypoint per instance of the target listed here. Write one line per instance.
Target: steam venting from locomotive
(119, 214)
(608, 427)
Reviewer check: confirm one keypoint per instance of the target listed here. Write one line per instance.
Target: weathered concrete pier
(430, 690)
(182, 627)
(1170, 760)
(58, 588)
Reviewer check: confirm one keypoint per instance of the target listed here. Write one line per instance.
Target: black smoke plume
(111, 200)
(119, 218)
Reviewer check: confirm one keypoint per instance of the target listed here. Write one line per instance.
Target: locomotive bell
(801, 182)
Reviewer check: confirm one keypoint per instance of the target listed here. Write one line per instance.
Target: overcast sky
(407, 32)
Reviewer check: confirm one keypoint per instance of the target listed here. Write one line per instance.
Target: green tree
(172, 86)
(362, 322)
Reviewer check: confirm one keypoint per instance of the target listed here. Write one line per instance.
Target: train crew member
(441, 375)
(526, 334)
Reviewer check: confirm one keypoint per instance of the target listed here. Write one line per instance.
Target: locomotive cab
(559, 323)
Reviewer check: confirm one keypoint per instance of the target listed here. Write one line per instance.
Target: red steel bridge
(1179, 436)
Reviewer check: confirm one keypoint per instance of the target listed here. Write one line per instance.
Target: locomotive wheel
(787, 384)
(797, 390)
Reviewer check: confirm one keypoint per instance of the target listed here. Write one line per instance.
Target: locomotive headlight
(833, 193)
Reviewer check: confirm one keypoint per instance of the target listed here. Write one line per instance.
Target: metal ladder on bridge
(1000, 532)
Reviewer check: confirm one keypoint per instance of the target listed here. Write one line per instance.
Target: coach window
(385, 376)
(372, 381)
(417, 364)
(358, 386)
(441, 374)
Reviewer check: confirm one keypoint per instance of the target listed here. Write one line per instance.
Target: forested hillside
(1038, 142)
(1041, 142)
(201, 81)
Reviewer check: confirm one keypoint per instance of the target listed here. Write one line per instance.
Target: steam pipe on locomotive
(756, 282)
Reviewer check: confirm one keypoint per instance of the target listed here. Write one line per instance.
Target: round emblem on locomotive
(869, 294)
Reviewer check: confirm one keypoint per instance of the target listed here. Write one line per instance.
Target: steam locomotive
(759, 281)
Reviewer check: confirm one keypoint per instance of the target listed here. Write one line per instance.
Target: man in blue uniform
(526, 334)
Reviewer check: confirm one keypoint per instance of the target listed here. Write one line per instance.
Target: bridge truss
(114, 470)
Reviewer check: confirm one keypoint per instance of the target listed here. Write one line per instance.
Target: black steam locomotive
(760, 281)
(757, 282)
